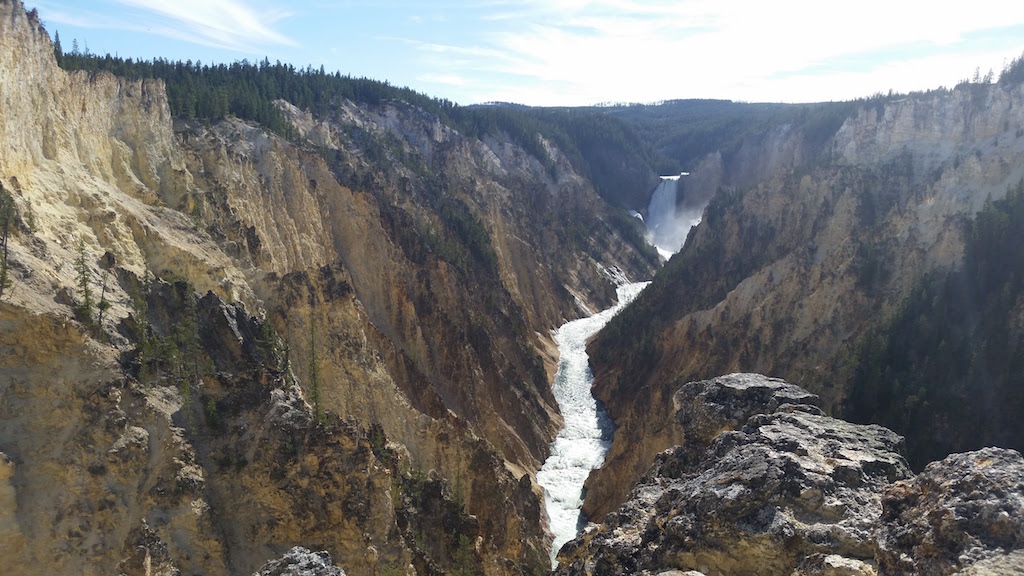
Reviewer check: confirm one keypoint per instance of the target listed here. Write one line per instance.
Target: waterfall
(668, 228)
(583, 441)
(661, 211)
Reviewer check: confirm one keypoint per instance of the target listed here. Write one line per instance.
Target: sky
(574, 52)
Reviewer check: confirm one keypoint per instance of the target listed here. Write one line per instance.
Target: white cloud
(231, 24)
(578, 52)
(583, 51)
(449, 79)
(228, 24)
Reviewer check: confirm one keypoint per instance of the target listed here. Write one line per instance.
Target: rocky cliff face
(764, 483)
(759, 155)
(784, 276)
(961, 515)
(285, 337)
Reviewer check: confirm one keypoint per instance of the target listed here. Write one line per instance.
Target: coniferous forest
(948, 370)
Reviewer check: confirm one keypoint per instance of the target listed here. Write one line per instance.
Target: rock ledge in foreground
(764, 483)
(963, 514)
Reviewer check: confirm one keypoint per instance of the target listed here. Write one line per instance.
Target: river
(581, 445)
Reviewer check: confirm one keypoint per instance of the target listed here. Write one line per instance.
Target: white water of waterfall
(581, 445)
(668, 228)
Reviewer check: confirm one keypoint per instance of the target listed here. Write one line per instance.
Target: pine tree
(145, 346)
(192, 363)
(84, 280)
(6, 218)
(104, 304)
(58, 51)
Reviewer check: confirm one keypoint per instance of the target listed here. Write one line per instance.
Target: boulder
(706, 408)
(791, 491)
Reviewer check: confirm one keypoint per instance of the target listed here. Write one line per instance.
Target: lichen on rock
(765, 483)
(964, 513)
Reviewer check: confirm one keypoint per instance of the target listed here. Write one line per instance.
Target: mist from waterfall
(667, 226)
(583, 441)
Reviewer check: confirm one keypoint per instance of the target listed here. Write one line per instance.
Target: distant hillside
(621, 149)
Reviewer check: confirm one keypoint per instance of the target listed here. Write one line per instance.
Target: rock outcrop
(300, 561)
(706, 408)
(961, 515)
(764, 483)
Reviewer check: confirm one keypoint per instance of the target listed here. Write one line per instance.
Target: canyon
(329, 348)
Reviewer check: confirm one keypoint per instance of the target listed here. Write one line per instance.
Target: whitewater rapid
(581, 445)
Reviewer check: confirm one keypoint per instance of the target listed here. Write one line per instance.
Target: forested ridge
(680, 132)
(606, 149)
(620, 149)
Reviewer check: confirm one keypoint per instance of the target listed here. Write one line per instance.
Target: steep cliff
(947, 368)
(721, 143)
(784, 276)
(219, 344)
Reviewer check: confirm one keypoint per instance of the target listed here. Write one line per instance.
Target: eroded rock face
(68, 419)
(438, 345)
(788, 490)
(963, 514)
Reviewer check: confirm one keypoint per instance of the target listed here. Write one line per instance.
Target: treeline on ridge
(680, 132)
(606, 150)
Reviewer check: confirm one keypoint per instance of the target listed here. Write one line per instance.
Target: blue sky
(574, 52)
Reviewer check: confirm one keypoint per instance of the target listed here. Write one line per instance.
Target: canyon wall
(373, 301)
